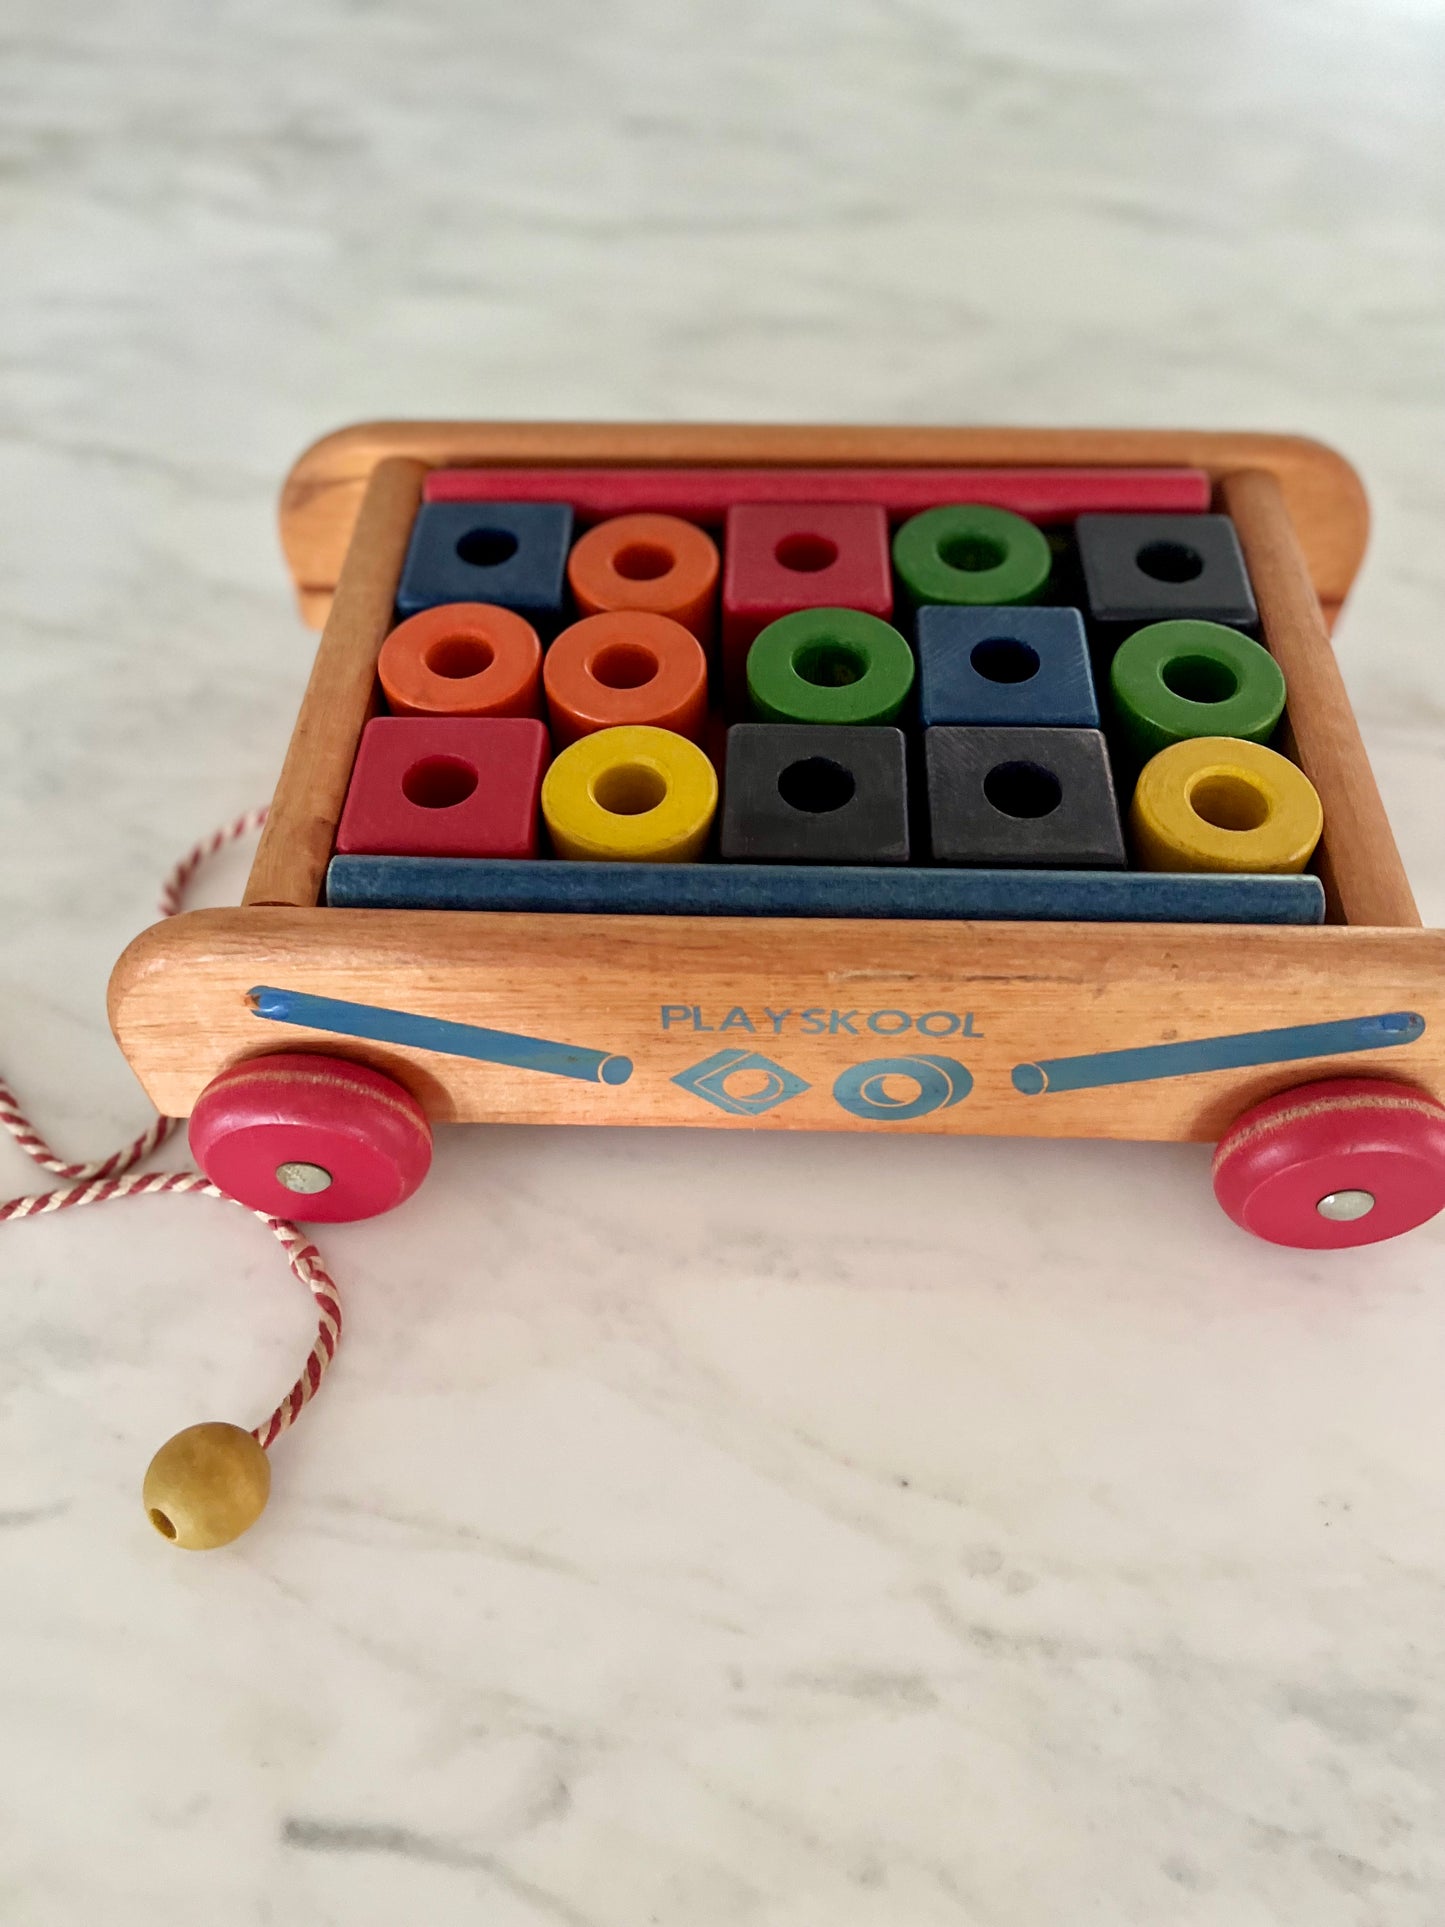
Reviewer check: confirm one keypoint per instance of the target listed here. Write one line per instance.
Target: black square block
(1020, 797)
(815, 793)
(1151, 568)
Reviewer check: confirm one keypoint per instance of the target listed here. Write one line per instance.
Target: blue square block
(513, 554)
(1006, 665)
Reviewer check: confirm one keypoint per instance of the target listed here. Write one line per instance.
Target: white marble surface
(792, 1533)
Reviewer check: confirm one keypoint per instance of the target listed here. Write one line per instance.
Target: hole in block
(807, 554)
(1003, 659)
(457, 657)
(1229, 802)
(830, 665)
(644, 561)
(1170, 561)
(816, 785)
(487, 548)
(629, 789)
(624, 665)
(1199, 679)
(438, 782)
(972, 553)
(1022, 789)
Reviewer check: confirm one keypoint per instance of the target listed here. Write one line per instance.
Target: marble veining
(697, 1530)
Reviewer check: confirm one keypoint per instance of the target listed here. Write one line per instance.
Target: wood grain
(1015, 993)
(322, 495)
(1365, 881)
(295, 847)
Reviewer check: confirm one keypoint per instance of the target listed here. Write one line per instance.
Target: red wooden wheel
(1348, 1161)
(299, 1135)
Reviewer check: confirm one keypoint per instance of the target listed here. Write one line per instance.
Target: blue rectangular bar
(817, 890)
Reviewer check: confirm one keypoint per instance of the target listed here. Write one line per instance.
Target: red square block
(445, 786)
(784, 556)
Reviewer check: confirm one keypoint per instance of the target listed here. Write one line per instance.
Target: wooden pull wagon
(313, 1045)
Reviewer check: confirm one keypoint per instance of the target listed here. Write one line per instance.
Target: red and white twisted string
(104, 1181)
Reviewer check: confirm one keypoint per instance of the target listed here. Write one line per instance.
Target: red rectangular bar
(705, 494)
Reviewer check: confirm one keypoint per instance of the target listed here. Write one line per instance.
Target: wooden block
(826, 794)
(829, 666)
(782, 557)
(1041, 797)
(818, 890)
(630, 795)
(704, 495)
(654, 562)
(513, 554)
(970, 553)
(445, 786)
(621, 668)
(1364, 879)
(1005, 665)
(462, 659)
(1215, 803)
(1174, 680)
(1152, 568)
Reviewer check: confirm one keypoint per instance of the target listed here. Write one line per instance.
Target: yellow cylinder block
(1218, 803)
(630, 795)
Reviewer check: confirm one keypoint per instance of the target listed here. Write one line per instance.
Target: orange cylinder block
(627, 666)
(654, 562)
(462, 659)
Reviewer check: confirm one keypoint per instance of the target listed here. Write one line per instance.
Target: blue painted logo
(939, 1083)
(709, 1081)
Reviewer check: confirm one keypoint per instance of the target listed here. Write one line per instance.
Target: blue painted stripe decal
(438, 1034)
(1235, 1052)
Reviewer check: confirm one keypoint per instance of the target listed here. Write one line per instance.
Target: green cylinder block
(829, 666)
(972, 555)
(1174, 681)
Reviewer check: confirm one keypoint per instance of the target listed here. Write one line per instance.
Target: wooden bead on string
(207, 1485)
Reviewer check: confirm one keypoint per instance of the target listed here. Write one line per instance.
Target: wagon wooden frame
(997, 995)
